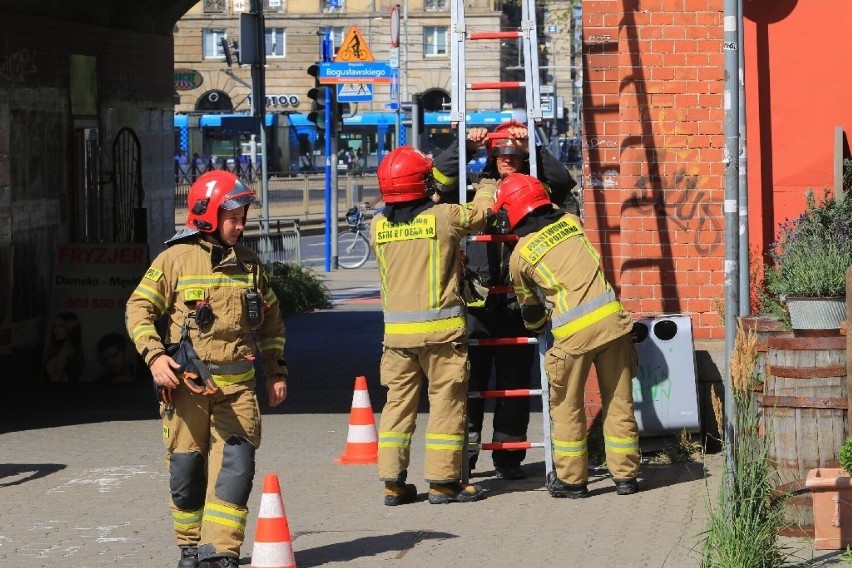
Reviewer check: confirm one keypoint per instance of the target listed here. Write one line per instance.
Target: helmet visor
(506, 148)
(239, 196)
(238, 201)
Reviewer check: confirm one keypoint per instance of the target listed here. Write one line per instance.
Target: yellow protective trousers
(403, 371)
(210, 449)
(615, 363)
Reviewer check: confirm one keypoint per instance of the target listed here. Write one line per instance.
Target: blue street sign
(354, 92)
(361, 72)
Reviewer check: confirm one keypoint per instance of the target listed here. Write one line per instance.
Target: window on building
(212, 47)
(214, 6)
(436, 5)
(275, 42)
(434, 40)
(337, 34)
(332, 5)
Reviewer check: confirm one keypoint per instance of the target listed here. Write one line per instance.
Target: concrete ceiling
(150, 16)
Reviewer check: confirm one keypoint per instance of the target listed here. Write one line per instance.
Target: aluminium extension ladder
(529, 39)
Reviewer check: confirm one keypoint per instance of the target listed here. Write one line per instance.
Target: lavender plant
(813, 251)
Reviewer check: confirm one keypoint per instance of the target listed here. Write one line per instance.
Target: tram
(294, 146)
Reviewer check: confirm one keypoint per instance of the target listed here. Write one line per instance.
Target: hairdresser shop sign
(90, 288)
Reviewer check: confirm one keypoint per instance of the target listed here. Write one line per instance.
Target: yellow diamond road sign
(354, 48)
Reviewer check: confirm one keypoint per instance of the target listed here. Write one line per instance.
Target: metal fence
(294, 197)
(285, 247)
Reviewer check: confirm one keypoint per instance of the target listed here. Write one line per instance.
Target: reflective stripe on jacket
(561, 262)
(419, 269)
(184, 274)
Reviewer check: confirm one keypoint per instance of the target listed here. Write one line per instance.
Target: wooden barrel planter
(764, 326)
(805, 410)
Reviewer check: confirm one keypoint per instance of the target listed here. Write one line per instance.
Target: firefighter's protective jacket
(196, 270)
(420, 296)
(560, 260)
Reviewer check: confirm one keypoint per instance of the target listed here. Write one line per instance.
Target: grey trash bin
(665, 393)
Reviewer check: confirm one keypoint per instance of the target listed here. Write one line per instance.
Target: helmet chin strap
(215, 239)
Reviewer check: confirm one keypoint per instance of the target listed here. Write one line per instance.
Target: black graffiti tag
(691, 205)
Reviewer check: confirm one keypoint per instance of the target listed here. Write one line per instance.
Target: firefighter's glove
(535, 317)
(196, 375)
(473, 291)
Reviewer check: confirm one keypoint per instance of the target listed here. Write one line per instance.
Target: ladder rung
(492, 238)
(511, 393)
(503, 341)
(495, 85)
(511, 445)
(502, 290)
(495, 35)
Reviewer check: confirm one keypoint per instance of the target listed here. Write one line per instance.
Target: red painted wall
(798, 86)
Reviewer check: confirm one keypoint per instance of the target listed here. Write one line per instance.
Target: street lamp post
(404, 54)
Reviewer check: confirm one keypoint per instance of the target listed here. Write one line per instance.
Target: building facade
(294, 30)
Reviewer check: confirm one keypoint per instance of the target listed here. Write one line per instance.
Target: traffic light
(318, 94)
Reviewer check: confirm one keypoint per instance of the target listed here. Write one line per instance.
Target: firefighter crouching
(417, 244)
(216, 299)
(554, 257)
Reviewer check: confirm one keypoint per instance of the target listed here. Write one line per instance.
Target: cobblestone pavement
(84, 485)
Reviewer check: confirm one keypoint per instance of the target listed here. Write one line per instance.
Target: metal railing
(284, 247)
(291, 198)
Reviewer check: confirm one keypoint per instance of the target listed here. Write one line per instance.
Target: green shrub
(298, 289)
(813, 251)
(743, 525)
(845, 456)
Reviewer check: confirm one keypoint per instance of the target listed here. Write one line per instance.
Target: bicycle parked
(353, 245)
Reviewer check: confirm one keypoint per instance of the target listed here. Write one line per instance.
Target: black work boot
(559, 489)
(440, 493)
(510, 471)
(219, 562)
(188, 556)
(626, 486)
(399, 492)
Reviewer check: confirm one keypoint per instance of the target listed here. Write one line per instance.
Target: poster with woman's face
(85, 339)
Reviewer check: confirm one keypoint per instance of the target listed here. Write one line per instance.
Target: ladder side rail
(547, 433)
(531, 71)
(457, 83)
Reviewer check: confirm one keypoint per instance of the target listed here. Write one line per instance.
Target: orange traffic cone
(273, 547)
(362, 443)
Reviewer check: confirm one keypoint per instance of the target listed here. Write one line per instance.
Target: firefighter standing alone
(589, 326)
(417, 244)
(216, 300)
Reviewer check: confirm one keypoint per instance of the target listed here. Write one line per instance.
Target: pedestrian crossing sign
(353, 49)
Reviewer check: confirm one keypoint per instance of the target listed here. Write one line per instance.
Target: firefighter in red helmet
(497, 315)
(417, 244)
(221, 314)
(554, 260)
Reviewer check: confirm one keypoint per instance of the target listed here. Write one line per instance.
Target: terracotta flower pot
(832, 497)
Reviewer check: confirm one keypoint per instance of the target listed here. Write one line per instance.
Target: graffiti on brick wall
(607, 179)
(680, 198)
(16, 65)
(595, 142)
(685, 204)
(651, 384)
